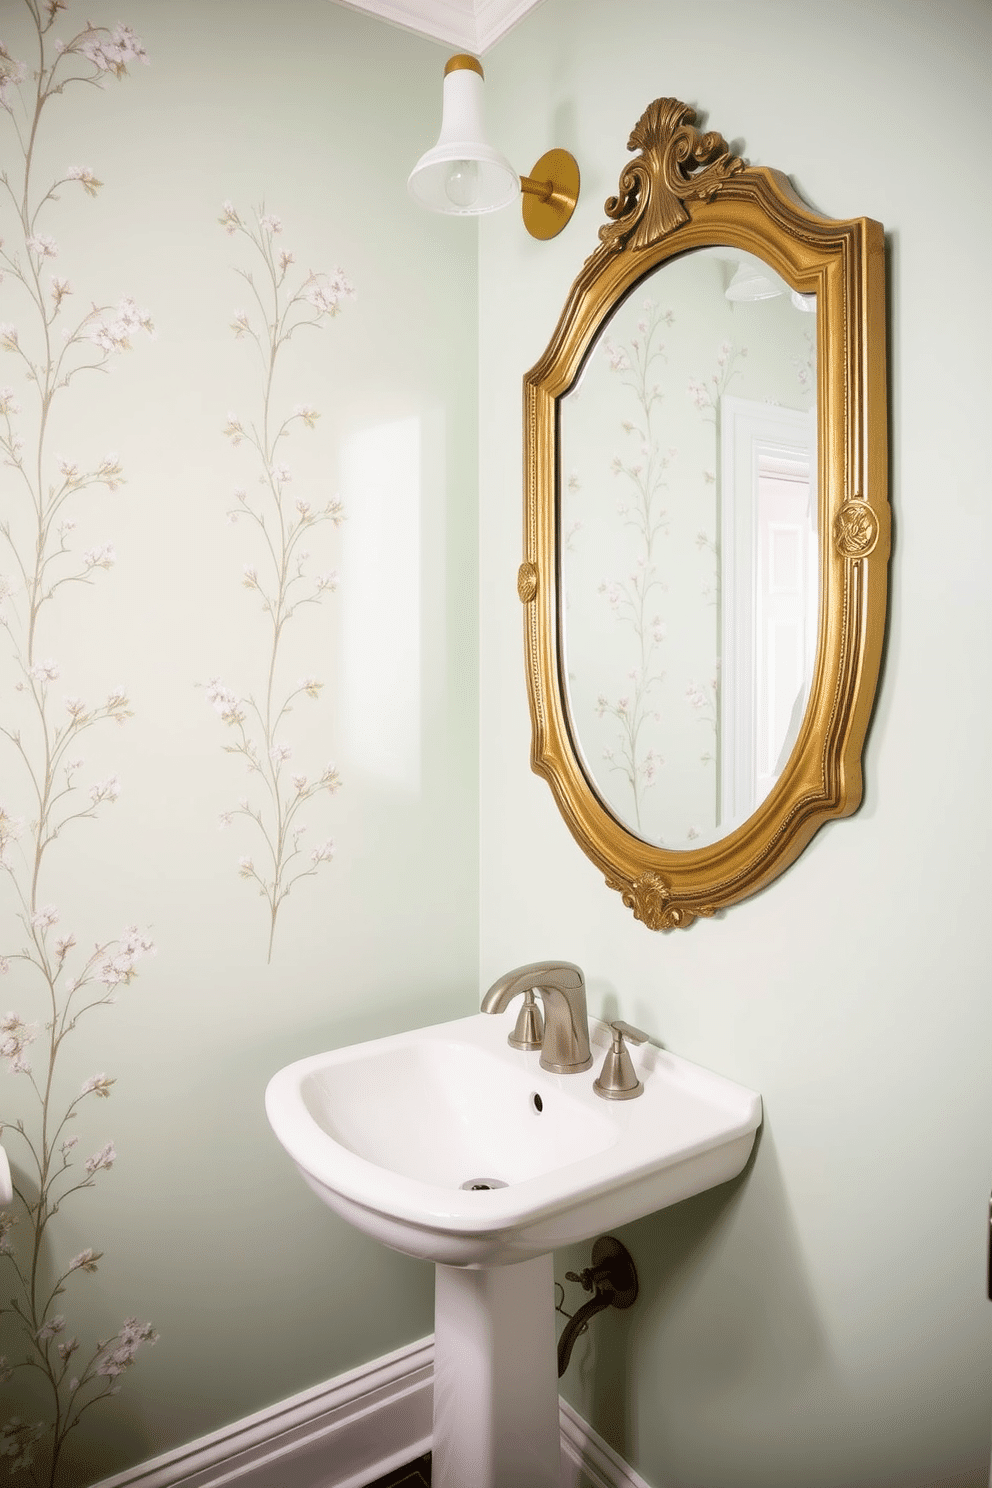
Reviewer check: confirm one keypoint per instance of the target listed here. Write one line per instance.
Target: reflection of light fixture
(750, 284)
(464, 175)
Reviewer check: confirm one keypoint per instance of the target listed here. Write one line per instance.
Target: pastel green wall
(256, 1289)
(822, 1322)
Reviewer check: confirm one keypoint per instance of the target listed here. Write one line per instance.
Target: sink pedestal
(496, 1377)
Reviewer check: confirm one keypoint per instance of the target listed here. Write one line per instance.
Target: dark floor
(414, 1475)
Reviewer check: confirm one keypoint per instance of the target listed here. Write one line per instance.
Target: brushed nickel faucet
(562, 989)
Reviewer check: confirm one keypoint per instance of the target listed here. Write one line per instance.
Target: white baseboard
(342, 1434)
(348, 1432)
(586, 1460)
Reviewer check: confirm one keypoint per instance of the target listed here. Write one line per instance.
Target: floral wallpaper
(282, 520)
(640, 442)
(199, 846)
(59, 968)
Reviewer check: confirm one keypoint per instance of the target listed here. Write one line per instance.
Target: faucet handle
(618, 1078)
(529, 1030)
(629, 1032)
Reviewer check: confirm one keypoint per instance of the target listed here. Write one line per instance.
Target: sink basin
(446, 1144)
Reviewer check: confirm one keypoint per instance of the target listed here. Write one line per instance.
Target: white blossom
(225, 702)
(111, 51)
(105, 790)
(110, 472)
(11, 73)
(98, 1085)
(15, 1035)
(84, 174)
(44, 247)
(85, 1261)
(105, 1158)
(104, 556)
(118, 1354)
(118, 967)
(229, 219)
(113, 335)
(326, 293)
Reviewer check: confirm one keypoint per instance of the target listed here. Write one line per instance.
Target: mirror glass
(687, 545)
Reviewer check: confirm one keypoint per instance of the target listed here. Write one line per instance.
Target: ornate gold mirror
(707, 526)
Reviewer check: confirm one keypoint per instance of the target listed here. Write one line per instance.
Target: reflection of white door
(768, 594)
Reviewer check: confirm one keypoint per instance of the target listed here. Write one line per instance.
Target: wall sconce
(464, 175)
(751, 284)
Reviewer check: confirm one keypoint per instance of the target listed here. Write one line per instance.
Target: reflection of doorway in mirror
(769, 595)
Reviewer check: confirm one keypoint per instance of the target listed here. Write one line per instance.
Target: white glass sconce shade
(750, 284)
(463, 174)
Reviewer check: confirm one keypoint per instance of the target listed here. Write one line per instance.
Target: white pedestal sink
(393, 1134)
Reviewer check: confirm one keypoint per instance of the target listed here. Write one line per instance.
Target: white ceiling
(469, 25)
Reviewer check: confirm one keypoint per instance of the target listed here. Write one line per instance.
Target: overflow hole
(537, 1102)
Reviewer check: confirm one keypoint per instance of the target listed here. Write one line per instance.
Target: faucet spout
(562, 988)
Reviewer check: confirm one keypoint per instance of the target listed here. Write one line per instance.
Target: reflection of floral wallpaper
(59, 969)
(282, 520)
(641, 560)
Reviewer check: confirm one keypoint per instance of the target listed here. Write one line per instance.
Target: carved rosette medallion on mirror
(706, 526)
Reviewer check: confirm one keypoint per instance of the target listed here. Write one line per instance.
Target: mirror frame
(685, 190)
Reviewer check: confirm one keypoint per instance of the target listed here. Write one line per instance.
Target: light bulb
(461, 184)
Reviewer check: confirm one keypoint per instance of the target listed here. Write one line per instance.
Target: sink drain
(482, 1183)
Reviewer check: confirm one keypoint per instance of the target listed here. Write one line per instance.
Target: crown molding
(473, 25)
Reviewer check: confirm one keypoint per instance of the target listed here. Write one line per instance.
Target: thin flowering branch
(645, 472)
(50, 343)
(704, 700)
(705, 393)
(635, 711)
(633, 600)
(280, 578)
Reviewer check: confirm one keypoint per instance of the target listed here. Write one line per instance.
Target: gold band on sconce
(686, 190)
(462, 61)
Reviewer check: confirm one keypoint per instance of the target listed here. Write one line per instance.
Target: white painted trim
(587, 1461)
(473, 25)
(321, 1438)
(348, 1432)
